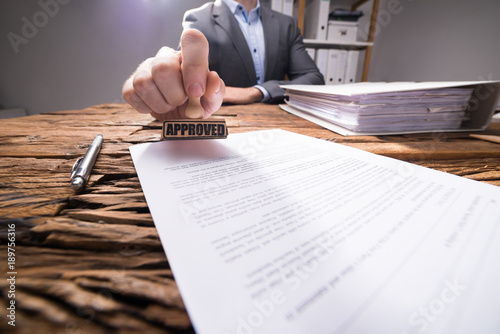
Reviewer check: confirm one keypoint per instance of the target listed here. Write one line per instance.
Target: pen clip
(75, 167)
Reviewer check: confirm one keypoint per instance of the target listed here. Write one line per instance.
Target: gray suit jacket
(230, 56)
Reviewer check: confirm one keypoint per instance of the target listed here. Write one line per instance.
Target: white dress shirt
(251, 27)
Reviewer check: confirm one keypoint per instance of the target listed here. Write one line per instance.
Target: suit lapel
(225, 19)
(271, 36)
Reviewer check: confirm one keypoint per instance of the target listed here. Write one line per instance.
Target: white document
(275, 232)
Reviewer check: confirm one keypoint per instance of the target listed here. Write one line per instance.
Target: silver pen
(80, 172)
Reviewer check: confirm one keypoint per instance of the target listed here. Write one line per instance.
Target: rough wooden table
(92, 262)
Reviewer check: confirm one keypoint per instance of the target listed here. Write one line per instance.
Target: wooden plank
(59, 262)
(100, 235)
(53, 285)
(428, 150)
(111, 217)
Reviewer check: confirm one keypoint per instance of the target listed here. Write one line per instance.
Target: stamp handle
(194, 108)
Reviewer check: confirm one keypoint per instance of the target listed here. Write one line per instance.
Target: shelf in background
(313, 43)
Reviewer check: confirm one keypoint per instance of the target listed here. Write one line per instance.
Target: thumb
(194, 67)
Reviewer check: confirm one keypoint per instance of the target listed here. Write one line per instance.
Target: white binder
(312, 53)
(316, 22)
(322, 60)
(336, 67)
(331, 69)
(351, 66)
(287, 7)
(277, 5)
(341, 66)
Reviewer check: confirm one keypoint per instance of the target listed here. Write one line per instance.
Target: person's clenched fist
(162, 85)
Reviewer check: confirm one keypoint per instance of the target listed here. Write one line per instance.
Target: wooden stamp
(194, 127)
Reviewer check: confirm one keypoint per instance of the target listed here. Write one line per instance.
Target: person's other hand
(162, 85)
(237, 95)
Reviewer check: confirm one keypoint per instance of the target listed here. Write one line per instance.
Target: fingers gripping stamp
(194, 126)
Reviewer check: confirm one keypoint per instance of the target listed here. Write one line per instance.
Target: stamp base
(180, 129)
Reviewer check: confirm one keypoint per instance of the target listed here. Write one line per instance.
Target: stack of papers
(380, 108)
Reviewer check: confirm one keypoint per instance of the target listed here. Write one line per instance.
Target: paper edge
(346, 132)
(383, 87)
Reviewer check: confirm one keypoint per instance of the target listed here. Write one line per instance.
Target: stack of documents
(387, 108)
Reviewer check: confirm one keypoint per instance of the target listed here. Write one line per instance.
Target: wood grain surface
(92, 262)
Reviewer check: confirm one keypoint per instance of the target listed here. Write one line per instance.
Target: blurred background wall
(81, 54)
(437, 40)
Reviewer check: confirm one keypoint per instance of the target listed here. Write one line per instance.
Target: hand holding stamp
(196, 78)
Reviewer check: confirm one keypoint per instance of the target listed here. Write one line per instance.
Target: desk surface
(93, 262)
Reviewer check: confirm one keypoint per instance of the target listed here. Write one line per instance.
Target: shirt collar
(235, 7)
